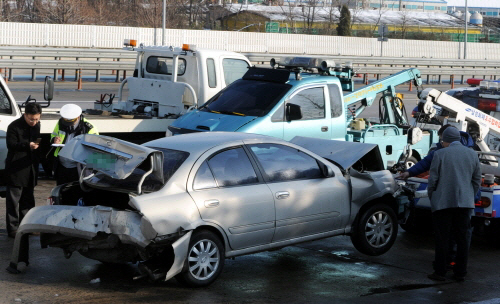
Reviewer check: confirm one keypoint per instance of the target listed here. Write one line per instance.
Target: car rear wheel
(204, 261)
(376, 230)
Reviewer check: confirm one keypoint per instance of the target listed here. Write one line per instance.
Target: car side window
(335, 100)
(282, 163)
(5, 105)
(311, 102)
(233, 69)
(232, 168)
(204, 179)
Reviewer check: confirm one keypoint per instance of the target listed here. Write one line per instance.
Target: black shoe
(459, 278)
(436, 277)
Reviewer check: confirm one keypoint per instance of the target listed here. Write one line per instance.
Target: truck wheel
(204, 261)
(410, 162)
(375, 231)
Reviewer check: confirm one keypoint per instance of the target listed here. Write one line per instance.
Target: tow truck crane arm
(367, 94)
(463, 116)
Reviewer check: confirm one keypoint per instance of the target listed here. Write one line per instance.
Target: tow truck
(303, 96)
(468, 116)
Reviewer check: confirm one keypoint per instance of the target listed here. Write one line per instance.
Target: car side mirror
(293, 112)
(48, 89)
(325, 170)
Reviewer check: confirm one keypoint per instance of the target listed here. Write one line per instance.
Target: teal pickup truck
(308, 97)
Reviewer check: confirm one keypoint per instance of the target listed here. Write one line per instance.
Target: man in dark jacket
(454, 180)
(21, 165)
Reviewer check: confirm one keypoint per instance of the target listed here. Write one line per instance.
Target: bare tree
(63, 11)
(404, 22)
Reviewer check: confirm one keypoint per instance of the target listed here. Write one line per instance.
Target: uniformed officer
(71, 124)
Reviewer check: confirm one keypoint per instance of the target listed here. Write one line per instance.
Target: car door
(313, 123)
(231, 194)
(306, 202)
(8, 113)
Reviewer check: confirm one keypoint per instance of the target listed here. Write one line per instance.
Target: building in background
(487, 8)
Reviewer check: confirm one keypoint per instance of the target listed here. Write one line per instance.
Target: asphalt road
(325, 271)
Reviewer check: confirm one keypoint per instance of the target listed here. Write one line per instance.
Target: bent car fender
(369, 186)
(180, 247)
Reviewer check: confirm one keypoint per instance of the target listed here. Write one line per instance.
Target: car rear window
(172, 160)
(247, 98)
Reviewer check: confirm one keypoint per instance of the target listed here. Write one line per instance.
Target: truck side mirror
(293, 112)
(48, 89)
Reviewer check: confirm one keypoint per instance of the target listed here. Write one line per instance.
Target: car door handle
(211, 203)
(282, 194)
(324, 129)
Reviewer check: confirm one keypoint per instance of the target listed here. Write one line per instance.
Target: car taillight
(487, 105)
(483, 203)
(50, 200)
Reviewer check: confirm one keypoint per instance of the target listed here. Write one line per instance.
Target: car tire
(375, 231)
(204, 261)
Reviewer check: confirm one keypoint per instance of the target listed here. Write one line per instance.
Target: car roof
(199, 142)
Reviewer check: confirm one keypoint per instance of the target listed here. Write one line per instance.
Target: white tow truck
(167, 82)
(485, 129)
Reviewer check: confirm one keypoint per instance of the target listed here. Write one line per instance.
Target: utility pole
(466, 26)
(400, 4)
(164, 22)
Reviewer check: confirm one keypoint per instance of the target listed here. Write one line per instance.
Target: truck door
(313, 123)
(9, 112)
(337, 112)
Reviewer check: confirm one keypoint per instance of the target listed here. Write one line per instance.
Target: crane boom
(367, 94)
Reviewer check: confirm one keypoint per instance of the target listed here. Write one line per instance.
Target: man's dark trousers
(448, 222)
(19, 200)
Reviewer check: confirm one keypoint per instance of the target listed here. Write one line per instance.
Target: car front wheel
(205, 260)
(376, 230)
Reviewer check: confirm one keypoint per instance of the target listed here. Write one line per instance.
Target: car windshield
(247, 98)
(172, 160)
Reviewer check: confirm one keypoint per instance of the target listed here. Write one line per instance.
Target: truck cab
(290, 102)
(169, 80)
(9, 111)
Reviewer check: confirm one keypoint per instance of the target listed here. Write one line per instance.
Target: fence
(90, 36)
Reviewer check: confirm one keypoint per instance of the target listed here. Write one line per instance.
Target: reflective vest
(84, 127)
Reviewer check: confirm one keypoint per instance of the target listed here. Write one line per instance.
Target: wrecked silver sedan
(180, 205)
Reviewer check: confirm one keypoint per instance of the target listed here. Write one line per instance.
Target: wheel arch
(217, 231)
(386, 199)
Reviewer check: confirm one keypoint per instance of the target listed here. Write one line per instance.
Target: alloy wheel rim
(203, 260)
(379, 228)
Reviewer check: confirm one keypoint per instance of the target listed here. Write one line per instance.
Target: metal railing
(61, 59)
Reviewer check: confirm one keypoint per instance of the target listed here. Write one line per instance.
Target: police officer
(71, 124)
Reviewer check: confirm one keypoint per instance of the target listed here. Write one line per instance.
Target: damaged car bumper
(85, 227)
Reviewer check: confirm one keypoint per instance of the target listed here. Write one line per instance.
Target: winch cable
(400, 120)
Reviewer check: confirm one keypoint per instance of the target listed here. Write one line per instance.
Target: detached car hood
(206, 121)
(110, 156)
(344, 153)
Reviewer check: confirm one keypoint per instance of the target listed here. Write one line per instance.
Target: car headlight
(168, 133)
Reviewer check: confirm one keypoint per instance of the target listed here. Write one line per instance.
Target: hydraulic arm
(387, 86)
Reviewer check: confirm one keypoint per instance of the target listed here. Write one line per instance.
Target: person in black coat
(21, 165)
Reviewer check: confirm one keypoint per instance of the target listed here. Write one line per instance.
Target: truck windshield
(172, 160)
(247, 98)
